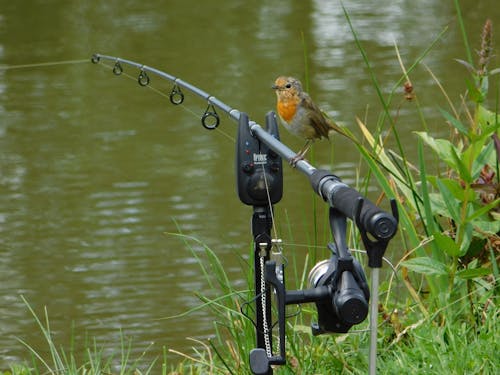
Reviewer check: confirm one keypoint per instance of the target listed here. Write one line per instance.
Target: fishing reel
(348, 293)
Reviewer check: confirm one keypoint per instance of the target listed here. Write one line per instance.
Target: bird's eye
(288, 85)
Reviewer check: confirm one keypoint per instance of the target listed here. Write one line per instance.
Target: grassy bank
(450, 339)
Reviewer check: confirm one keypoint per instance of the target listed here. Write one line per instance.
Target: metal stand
(372, 362)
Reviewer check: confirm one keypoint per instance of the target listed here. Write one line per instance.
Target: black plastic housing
(257, 166)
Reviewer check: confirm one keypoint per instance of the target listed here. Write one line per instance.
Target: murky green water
(95, 170)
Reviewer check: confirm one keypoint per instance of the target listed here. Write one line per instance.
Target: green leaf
(426, 265)
(458, 191)
(460, 166)
(483, 85)
(438, 205)
(429, 217)
(455, 122)
(465, 238)
(488, 120)
(474, 93)
(450, 202)
(446, 244)
(496, 215)
(442, 147)
(473, 273)
(491, 227)
(486, 156)
(483, 210)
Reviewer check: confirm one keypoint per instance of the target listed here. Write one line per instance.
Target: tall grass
(449, 220)
(65, 361)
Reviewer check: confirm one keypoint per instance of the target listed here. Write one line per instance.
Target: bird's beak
(275, 87)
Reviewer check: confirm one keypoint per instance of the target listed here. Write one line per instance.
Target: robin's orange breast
(286, 109)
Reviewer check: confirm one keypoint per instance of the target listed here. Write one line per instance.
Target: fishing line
(39, 65)
(81, 61)
(163, 94)
(269, 203)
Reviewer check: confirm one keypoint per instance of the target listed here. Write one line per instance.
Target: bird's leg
(301, 153)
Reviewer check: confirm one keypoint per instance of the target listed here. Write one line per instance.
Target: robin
(300, 115)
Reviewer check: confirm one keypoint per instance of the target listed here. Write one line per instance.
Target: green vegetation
(446, 318)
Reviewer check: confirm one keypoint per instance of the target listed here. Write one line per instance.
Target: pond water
(97, 174)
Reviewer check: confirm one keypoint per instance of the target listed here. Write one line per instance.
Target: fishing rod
(338, 286)
(372, 219)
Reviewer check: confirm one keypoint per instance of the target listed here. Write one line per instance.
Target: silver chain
(278, 257)
(265, 324)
